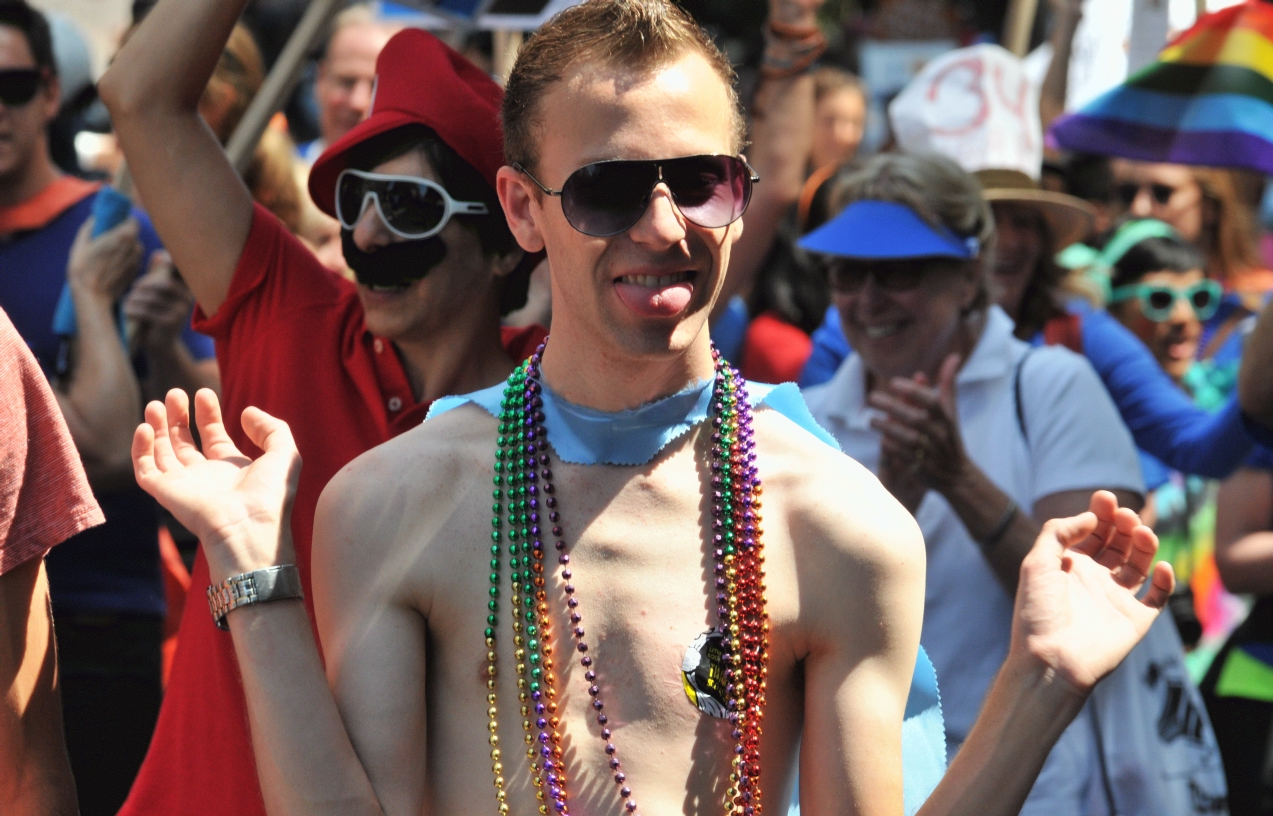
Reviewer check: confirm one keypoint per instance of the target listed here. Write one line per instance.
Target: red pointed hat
(421, 80)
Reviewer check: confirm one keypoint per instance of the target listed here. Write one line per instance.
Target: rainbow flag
(1207, 100)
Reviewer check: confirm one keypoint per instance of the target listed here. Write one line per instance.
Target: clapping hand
(919, 427)
(239, 508)
(103, 267)
(1077, 609)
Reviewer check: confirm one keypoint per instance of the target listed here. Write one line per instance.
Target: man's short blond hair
(639, 35)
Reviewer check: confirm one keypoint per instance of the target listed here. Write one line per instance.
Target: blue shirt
(114, 567)
(1163, 420)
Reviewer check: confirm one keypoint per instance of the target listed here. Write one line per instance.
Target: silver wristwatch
(272, 584)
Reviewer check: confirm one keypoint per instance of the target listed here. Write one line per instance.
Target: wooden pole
(280, 82)
(1018, 24)
(506, 44)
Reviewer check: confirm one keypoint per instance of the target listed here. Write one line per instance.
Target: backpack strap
(1016, 393)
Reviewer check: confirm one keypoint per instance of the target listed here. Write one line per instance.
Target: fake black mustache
(395, 265)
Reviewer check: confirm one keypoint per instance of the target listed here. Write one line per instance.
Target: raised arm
(301, 731)
(1162, 419)
(1076, 617)
(1244, 532)
(198, 204)
(781, 140)
(1255, 382)
(100, 398)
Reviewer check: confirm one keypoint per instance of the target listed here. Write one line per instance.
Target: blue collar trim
(585, 436)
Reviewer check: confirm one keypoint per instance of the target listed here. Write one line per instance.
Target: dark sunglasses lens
(1126, 193)
(607, 198)
(18, 87)
(350, 193)
(711, 191)
(1161, 300)
(845, 277)
(411, 207)
(1205, 302)
(1161, 193)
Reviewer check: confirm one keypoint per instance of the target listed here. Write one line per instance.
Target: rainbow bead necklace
(526, 511)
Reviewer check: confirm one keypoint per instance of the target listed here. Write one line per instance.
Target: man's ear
(52, 95)
(520, 205)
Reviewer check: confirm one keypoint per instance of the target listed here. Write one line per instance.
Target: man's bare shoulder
(847, 533)
(831, 493)
(403, 491)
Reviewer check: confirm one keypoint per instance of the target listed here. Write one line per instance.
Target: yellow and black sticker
(703, 674)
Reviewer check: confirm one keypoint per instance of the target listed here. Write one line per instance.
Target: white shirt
(1076, 440)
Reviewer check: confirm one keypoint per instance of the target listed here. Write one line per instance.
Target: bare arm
(354, 750)
(35, 774)
(870, 569)
(101, 399)
(1255, 386)
(781, 140)
(198, 204)
(922, 449)
(1244, 532)
(1076, 618)
(159, 306)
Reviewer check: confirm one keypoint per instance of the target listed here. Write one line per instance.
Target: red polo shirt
(290, 340)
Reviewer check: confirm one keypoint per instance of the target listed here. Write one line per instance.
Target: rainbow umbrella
(1207, 100)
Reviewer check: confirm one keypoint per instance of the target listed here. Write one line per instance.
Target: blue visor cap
(886, 230)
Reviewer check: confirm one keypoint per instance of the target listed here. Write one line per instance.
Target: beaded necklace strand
(523, 492)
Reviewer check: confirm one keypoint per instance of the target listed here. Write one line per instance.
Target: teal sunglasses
(1158, 300)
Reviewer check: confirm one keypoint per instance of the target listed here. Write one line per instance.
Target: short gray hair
(936, 188)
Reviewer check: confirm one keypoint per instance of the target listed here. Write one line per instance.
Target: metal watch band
(273, 584)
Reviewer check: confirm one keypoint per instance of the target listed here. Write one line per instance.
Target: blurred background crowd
(989, 121)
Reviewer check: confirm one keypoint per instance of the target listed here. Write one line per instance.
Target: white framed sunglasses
(411, 207)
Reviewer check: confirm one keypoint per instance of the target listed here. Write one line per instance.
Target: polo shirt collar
(991, 358)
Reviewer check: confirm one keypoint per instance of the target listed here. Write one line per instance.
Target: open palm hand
(1077, 608)
(239, 508)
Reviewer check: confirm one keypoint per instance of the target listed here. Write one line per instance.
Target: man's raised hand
(1077, 609)
(239, 508)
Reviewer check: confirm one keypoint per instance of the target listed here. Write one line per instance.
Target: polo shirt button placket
(395, 403)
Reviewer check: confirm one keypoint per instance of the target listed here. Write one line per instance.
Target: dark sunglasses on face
(1157, 301)
(1127, 192)
(609, 197)
(411, 207)
(18, 85)
(848, 277)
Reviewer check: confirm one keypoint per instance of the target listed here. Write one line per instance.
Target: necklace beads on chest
(525, 516)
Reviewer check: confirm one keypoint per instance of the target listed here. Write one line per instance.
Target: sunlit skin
(1174, 341)
(343, 88)
(25, 167)
(1184, 210)
(839, 122)
(1018, 248)
(901, 333)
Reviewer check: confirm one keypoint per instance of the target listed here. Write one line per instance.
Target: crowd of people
(1001, 405)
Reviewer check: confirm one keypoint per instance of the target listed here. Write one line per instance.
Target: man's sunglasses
(411, 207)
(1157, 301)
(18, 85)
(1127, 192)
(609, 197)
(903, 275)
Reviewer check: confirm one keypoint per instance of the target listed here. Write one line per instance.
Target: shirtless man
(402, 722)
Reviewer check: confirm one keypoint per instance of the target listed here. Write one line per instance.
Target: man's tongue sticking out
(656, 295)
